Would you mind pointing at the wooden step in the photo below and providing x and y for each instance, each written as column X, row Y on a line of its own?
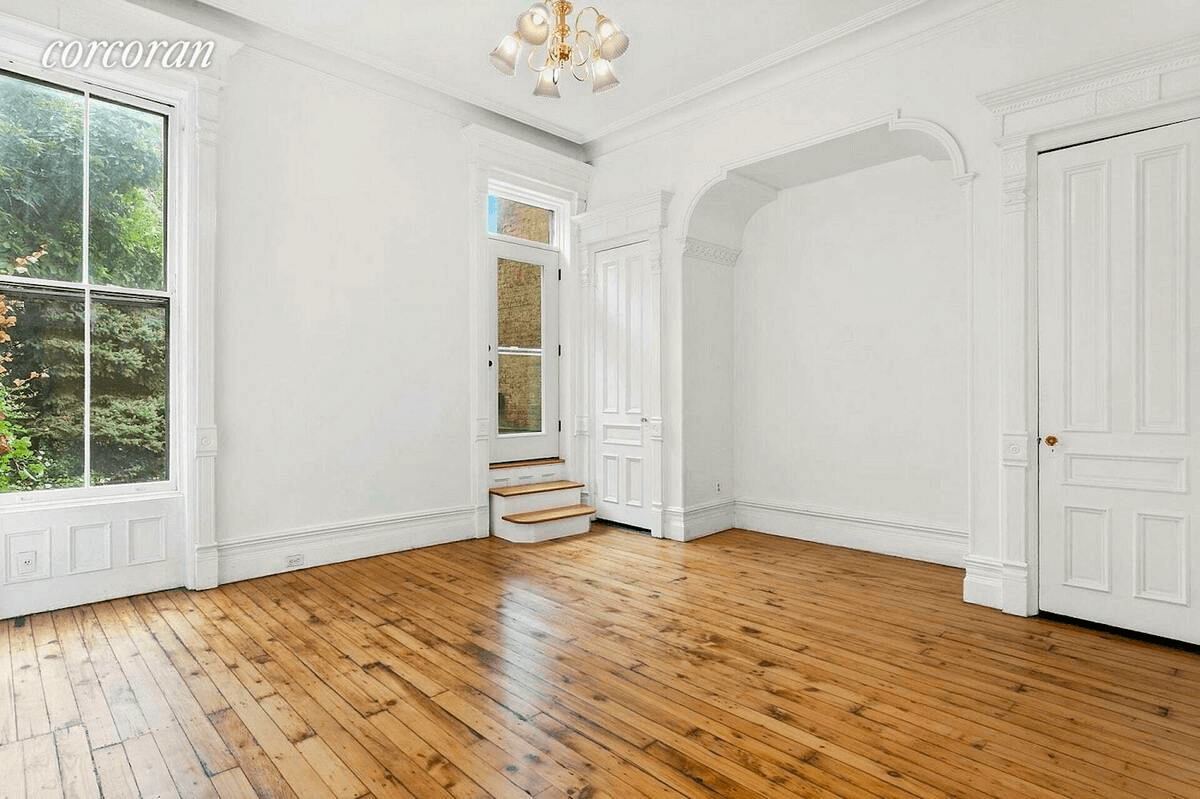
column 520, row 464
column 550, row 514
column 533, row 488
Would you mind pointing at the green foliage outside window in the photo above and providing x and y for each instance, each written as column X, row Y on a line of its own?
column 42, row 327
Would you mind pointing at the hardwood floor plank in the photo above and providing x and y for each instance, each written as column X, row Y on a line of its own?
column 75, row 765
column 29, row 699
column 61, row 707
column 149, row 768
column 233, row 784
column 12, row 766
column 114, row 773
column 41, row 766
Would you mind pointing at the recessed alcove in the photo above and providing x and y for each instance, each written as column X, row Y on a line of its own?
column 826, row 325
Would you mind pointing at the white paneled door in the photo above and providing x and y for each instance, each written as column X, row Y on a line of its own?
column 1119, row 341
column 623, row 325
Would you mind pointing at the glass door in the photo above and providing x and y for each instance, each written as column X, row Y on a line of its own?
column 524, row 352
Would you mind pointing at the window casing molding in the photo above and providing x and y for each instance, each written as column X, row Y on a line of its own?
column 190, row 102
column 525, row 172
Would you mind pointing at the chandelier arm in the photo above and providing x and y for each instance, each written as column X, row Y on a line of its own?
column 586, row 52
column 575, row 74
column 583, row 11
column 529, row 61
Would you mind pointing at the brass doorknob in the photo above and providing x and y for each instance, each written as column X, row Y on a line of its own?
column 1051, row 441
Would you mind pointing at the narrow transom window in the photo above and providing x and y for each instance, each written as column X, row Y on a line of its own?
column 519, row 220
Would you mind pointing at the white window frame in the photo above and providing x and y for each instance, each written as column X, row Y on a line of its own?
column 171, row 277
column 559, row 233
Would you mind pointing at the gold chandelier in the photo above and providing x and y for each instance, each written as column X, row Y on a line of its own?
column 587, row 53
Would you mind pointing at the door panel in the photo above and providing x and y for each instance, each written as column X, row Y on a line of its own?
column 1118, row 367
column 623, row 317
column 524, row 352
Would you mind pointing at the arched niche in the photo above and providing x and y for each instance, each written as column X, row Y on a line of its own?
column 719, row 212
column 704, row 360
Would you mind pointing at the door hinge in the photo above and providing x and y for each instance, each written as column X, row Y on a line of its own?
column 560, row 350
column 560, row 425
column 560, row 274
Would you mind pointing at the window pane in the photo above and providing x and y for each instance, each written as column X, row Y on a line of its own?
column 41, row 391
column 520, row 401
column 519, row 304
column 41, row 180
column 511, row 218
column 125, row 193
column 129, row 391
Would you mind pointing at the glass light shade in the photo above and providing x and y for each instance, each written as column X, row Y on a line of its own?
column 547, row 84
column 614, row 46
column 504, row 57
column 534, row 24
column 603, row 78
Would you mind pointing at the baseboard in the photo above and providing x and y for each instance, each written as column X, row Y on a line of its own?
column 706, row 519
column 984, row 582
column 334, row 543
column 873, row 534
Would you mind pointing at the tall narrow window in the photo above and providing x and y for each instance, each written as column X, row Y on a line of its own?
column 84, row 294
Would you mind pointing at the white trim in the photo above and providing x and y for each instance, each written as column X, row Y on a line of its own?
column 827, row 61
column 1153, row 86
column 321, row 544
column 901, row 538
column 699, row 521
column 983, row 583
column 710, row 252
column 630, row 221
column 496, row 159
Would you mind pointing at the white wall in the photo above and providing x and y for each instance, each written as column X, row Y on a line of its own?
column 342, row 303
column 708, row 411
column 935, row 75
column 849, row 373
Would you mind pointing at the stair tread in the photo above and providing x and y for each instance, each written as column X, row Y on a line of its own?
column 523, row 464
column 534, row 488
column 550, row 514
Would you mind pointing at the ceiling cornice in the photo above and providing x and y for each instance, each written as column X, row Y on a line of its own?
column 385, row 79
column 903, row 29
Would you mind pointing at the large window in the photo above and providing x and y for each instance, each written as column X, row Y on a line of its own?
column 84, row 293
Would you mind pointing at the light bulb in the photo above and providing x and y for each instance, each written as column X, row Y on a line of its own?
column 603, row 78
column 504, row 57
column 547, row 84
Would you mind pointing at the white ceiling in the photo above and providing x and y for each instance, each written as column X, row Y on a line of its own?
column 679, row 49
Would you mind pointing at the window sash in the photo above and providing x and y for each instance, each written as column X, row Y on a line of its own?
column 86, row 290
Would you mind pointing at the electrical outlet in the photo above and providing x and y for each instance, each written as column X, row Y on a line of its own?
column 718, row 488
column 26, row 562
column 294, row 561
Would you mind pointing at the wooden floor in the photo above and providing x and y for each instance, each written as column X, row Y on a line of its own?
column 607, row 665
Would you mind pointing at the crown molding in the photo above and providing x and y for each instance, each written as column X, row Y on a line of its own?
column 371, row 74
column 493, row 150
column 1125, row 68
column 901, row 31
column 867, row 20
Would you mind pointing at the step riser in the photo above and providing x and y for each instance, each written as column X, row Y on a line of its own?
column 506, row 506
column 542, row 531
